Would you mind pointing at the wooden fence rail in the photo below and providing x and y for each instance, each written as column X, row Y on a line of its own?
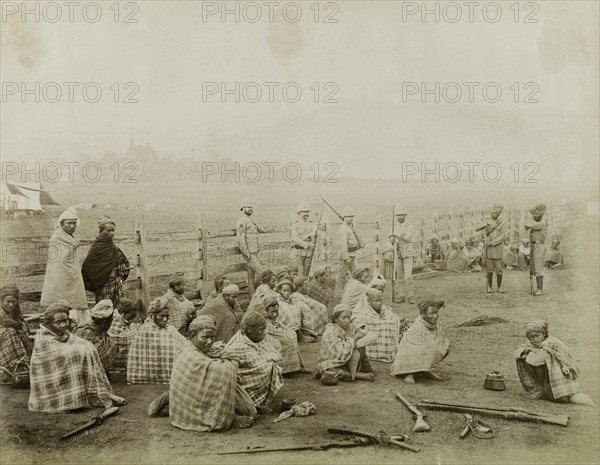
column 202, row 254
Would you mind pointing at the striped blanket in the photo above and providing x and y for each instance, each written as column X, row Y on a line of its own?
column 67, row 375
column 286, row 341
column 296, row 315
column 259, row 372
column 386, row 325
column 336, row 348
column 152, row 353
column 123, row 333
column 106, row 347
column 319, row 311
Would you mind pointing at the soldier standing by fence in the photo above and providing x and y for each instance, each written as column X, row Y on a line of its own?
column 538, row 244
column 303, row 236
column 401, row 238
column 348, row 245
column 247, row 238
column 495, row 235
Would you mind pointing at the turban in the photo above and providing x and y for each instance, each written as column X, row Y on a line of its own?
column 319, row 272
column 202, row 322
column 299, row 281
column 157, row 305
column 176, row 279
column 9, row 289
column 266, row 275
column 105, row 220
column 454, row 240
column 538, row 210
column 338, row 309
column 69, row 214
column 126, row 306
column 284, row 281
column 251, row 319
column 424, row 305
column 102, row 309
column 360, row 271
column 269, row 300
column 62, row 306
column 231, row 289
column 538, row 326
column 378, row 280
column 372, row 292
column 497, row 208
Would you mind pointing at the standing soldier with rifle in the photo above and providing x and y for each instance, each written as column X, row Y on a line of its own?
column 349, row 243
column 401, row 238
column 495, row 235
column 537, row 230
column 246, row 231
column 303, row 236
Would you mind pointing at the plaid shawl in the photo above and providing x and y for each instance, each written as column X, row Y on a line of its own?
column 296, row 315
column 336, row 348
column 103, row 258
column 286, row 341
column 558, row 357
column 181, row 310
column 15, row 350
column 319, row 311
column 260, row 292
column 258, row 372
column 386, row 325
column 421, row 348
column 202, row 394
column 152, row 353
column 106, row 347
column 66, row 375
column 123, row 333
column 319, row 292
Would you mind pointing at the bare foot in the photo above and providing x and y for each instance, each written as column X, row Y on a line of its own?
column 242, row 422
column 409, row 379
column 305, row 370
column 365, row 376
column 430, row 375
column 581, row 398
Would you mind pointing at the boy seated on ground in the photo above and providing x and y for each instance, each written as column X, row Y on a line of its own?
column 547, row 368
column 295, row 315
column 342, row 354
column 555, row 256
column 423, row 344
column 96, row 332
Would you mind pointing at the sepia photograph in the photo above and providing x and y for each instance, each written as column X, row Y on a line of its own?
column 300, row 232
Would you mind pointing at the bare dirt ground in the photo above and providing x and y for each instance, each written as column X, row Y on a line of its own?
column 570, row 305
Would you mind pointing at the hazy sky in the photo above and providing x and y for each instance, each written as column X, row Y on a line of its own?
column 369, row 54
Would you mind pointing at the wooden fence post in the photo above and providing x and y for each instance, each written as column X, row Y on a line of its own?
column 143, row 289
column 202, row 269
column 378, row 253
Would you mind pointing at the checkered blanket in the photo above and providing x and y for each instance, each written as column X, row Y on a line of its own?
column 286, row 341
column 296, row 315
column 123, row 333
column 152, row 353
column 336, row 348
column 15, row 349
column 112, row 289
column 421, row 348
column 386, row 325
column 558, row 357
column 319, row 311
column 202, row 394
column 67, row 375
column 260, row 292
column 259, row 372
column 319, row 292
column 106, row 347
column 181, row 310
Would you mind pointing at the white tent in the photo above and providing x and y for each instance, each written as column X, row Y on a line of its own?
column 24, row 196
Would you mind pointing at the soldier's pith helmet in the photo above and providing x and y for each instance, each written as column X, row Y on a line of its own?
column 400, row 210
column 246, row 202
column 348, row 211
column 303, row 207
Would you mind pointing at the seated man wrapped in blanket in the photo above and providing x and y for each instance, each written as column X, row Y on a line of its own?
column 423, row 344
column 153, row 351
column 319, row 311
column 259, row 372
column 355, row 288
column 15, row 346
column 66, row 372
column 317, row 287
column 380, row 320
column 342, row 354
column 123, row 331
column 547, row 368
column 204, row 394
column 96, row 332
column 294, row 314
column 268, row 280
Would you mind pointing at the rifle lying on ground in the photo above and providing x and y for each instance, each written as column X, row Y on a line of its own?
column 93, row 422
column 380, row 438
column 420, row 424
column 354, row 442
column 508, row 413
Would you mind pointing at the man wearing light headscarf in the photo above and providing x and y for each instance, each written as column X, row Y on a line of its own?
column 495, row 235
column 97, row 332
column 537, row 228
column 63, row 279
column 105, row 268
column 181, row 310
